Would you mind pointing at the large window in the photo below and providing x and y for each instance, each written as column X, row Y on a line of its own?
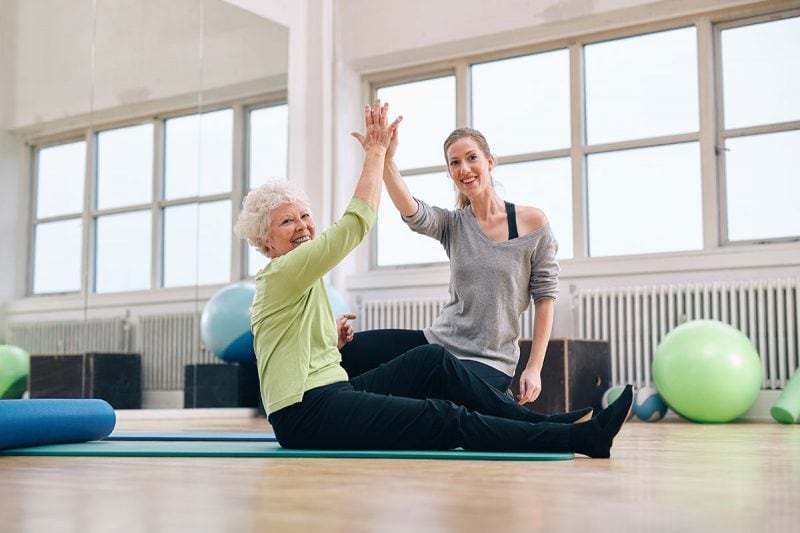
column 58, row 218
column 161, row 200
column 760, row 131
column 429, row 109
column 612, row 139
column 642, row 90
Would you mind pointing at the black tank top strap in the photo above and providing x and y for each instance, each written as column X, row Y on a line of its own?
column 511, row 214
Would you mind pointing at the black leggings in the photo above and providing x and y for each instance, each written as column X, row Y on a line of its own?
column 370, row 349
column 424, row 399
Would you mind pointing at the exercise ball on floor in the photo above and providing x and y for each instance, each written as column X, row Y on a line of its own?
column 648, row 405
column 225, row 324
column 14, row 368
column 707, row 371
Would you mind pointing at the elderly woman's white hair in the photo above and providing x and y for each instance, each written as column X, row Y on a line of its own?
column 254, row 220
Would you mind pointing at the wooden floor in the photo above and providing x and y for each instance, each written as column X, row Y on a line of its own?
column 669, row 476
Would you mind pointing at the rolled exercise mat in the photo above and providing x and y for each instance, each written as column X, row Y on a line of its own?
column 786, row 408
column 162, row 448
column 25, row 423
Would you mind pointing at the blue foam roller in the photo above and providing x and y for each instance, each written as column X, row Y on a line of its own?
column 25, row 423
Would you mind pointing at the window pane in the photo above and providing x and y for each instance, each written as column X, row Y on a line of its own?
column 544, row 184
column 429, row 115
column 255, row 261
column 57, row 256
column 763, row 186
column 123, row 252
column 645, row 200
column 397, row 244
column 61, row 173
column 125, row 166
column 642, row 86
column 197, row 244
column 521, row 105
column 198, row 155
column 268, row 148
column 761, row 73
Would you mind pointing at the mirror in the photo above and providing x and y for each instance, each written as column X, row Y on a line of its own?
column 181, row 105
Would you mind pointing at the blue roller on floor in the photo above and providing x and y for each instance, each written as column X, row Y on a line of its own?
column 25, row 423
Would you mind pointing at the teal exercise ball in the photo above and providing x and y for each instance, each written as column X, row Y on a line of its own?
column 15, row 365
column 339, row 305
column 225, row 324
column 707, row 371
column 648, row 405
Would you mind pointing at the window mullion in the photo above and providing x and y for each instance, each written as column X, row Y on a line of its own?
column 577, row 151
column 463, row 96
column 238, row 249
column 157, row 233
column 712, row 202
column 89, row 195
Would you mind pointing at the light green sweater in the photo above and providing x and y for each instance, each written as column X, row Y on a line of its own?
column 291, row 318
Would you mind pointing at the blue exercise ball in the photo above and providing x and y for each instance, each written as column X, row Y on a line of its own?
column 648, row 405
column 225, row 324
column 338, row 303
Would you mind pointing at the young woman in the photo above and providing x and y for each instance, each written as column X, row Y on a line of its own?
column 502, row 256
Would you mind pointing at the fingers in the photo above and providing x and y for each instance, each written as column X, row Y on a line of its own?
column 395, row 123
column 347, row 316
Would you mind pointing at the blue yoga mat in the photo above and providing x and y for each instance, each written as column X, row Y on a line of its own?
column 237, row 436
column 36, row 422
column 261, row 449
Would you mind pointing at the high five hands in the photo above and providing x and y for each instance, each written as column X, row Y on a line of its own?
column 379, row 133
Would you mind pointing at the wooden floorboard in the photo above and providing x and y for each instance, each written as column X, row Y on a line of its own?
column 670, row 476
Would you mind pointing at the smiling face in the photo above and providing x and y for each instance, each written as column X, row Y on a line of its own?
column 290, row 225
column 469, row 167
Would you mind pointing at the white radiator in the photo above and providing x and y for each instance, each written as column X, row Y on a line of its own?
column 635, row 319
column 412, row 313
column 167, row 344
column 71, row 336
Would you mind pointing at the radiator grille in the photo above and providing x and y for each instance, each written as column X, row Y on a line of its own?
column 635, row 319
column 411, row 313
column 71, row 336
column 168, row 343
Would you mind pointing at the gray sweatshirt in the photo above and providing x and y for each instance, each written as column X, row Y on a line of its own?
column 491, row 284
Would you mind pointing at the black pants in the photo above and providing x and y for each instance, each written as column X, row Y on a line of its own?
column 424, row 399
column 370, row 349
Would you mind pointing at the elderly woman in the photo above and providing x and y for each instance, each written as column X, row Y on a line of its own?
column 424, row 399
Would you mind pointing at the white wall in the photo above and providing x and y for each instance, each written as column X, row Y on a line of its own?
column 70, row 63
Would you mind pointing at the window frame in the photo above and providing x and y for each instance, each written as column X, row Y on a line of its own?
column 723, row 134
column 88, row 132
column 715, row 252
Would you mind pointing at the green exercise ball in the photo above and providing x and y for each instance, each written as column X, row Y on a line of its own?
column 707, row 371
column 14, row 367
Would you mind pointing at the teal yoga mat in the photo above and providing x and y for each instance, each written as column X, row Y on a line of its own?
column 260, row 449
column 235, row 436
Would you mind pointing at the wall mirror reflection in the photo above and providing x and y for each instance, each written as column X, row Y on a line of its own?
column 145, row 123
